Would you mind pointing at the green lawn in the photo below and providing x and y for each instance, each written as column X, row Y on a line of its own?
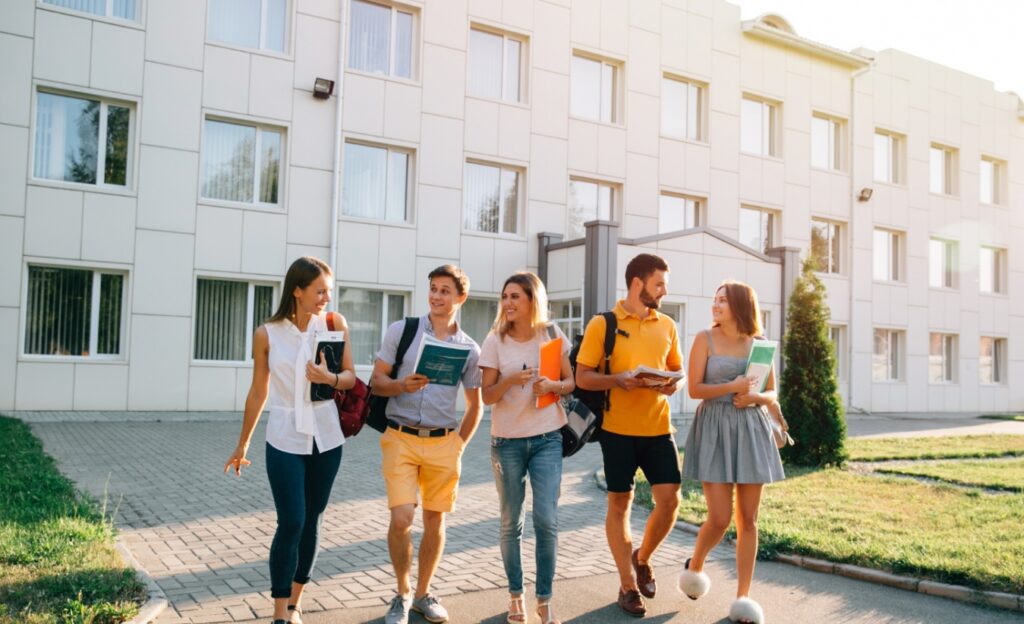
column 994, row 474
column 1017, row 417
column 979, row 446
column 57, row 556
column 928, row 530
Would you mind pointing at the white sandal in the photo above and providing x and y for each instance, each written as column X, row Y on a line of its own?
column 746, row 611
column 693, row 584
column 516, row 610
column 546, row 604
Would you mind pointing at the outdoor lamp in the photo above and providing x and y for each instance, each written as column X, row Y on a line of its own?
column 865, row 194
column 323, row 88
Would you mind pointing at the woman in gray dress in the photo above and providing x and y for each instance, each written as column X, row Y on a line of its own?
column 730, row 445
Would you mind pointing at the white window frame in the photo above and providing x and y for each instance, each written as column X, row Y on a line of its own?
column 101, row 140
column 414, row 45
column 836, row 232
column 262, row 35
column 766, row 323
column 769, row 125
column 774, row 226
column 699, row 99
column 893, row 153
column 945, row 360
column 250, row 326
column 836, row 148
column 385, row 293
column 108, row 12
column 837, row 335
column 98, row 270
column 999, row 361
column 894, row 257
column 506, row 36
column 575, row 319
column 948, row 263
column 943, row 160
column 615, row 199
column 520, row 199
column 410, row 177
column 698, row 208
column 1000, row 267
column 998, row 178
column 283, row 164
column 617, row 68
column 895, row 355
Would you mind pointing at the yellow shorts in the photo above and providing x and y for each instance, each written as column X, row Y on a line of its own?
column 430, row 466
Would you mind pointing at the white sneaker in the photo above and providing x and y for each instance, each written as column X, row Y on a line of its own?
column 430, row 608
column 398, row 610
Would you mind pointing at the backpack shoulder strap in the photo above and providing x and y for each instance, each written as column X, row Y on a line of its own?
column 412, row 323
column 610, row 325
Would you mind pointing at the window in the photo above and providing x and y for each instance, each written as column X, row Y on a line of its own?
column 758, row 122
column 492, row 199
column 494, row 65
column 886, row 364
column 123, row 9
column 595, row 87
column 568, row 315
column 381, row 39
column 258, row 24
column 888, row 256
column 241, row 162
column 941, row 170
column 837, row 334
column 368, row 314
column 942, row 263
column 992, row 270
column 757, row 228
column 588, row 201
column 76, row 312
column 82, row 140
column 992, row 360
column 227, row 314
column 376, row 183
column 941, row 358
column 682, row 108
column 990, row 183
column 888, row 158
column 477, row 316
column 825, row 245
column 678, row 212
column 766, row 323
column 826, row 141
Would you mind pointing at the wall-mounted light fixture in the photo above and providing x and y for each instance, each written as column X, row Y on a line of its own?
column 323, row 88
column 865, row 194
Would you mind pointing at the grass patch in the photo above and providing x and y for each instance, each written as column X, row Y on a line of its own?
column 976, row 447
column 1016, row 417
column 931, row 531
column 57, row 556
column 994, row 474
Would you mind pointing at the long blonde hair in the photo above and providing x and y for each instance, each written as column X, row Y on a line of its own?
column 538, row 296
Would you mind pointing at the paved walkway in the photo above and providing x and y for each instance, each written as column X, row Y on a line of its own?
column 203, row 536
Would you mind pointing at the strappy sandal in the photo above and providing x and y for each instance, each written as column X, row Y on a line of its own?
column 296, row 611
column 551, row 619
column 516, row 610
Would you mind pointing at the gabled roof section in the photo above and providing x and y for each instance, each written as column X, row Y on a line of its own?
column 774, row 27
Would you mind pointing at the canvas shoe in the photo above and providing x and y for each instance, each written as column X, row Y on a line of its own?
column 430, row 608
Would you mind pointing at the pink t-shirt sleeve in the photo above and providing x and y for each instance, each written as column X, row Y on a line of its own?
column 489, row 352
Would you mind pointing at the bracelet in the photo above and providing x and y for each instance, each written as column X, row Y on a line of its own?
column 337, row 380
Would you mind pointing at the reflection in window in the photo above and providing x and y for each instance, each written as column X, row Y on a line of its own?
column 68, row 136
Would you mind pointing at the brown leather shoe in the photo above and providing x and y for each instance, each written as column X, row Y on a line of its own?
column 631, row 602
column 644, row 576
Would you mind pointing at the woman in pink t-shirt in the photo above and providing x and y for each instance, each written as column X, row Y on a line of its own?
column 525, row 440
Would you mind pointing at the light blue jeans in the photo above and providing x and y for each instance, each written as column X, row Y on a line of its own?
column 513, row 459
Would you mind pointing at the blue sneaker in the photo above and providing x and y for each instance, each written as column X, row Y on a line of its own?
column 430, row 608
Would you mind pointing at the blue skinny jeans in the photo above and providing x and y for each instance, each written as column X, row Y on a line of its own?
column 513, row 459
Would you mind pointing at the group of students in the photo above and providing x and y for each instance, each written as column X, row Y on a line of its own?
column 729, row 448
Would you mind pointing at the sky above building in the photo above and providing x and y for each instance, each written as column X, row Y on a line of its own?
column 980, row 37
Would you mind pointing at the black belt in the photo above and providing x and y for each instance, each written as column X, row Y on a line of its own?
column 422, row 433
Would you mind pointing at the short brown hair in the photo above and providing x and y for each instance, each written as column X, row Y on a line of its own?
column 744, row 307
column 642, row 266
column 458, row 276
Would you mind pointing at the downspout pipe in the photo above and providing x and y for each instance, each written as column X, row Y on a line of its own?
column 339, row 90
column 850, row 247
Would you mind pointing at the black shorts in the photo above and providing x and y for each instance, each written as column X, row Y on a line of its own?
column 623, row 454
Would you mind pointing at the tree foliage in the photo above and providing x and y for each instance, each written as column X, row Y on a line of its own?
column 808, row 389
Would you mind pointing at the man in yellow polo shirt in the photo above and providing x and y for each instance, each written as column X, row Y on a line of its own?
column 636, row 432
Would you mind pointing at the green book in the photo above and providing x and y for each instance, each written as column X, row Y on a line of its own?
column 760, row 360
column 441, row 361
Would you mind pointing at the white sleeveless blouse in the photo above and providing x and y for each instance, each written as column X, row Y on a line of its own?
column 295, row 421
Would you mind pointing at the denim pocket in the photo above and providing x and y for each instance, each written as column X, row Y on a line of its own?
column 498, row 442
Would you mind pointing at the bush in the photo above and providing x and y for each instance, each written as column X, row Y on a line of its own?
column 808, row 391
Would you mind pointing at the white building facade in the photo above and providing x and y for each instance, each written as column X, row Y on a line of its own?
column 162, row 163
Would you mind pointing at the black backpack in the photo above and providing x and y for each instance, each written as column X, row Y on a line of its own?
column 376, row 404
column 597, row 401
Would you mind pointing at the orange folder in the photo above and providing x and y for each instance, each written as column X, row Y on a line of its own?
column 551, row 367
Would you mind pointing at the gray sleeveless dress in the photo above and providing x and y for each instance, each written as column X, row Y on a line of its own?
column 727, row 444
